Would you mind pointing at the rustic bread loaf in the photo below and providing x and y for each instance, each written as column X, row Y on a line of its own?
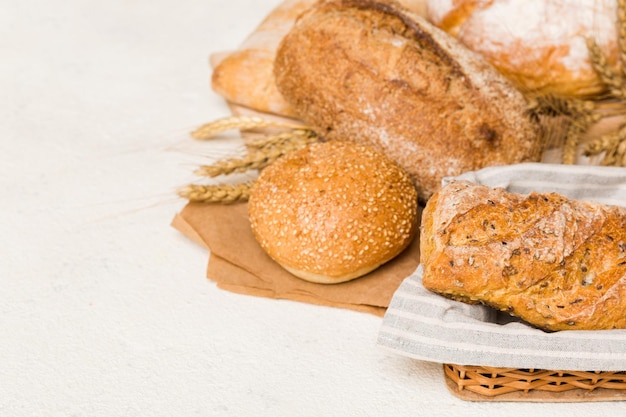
column 333, row 211
column 539, row 44
column 557, row 263
column 372, row 72
column 245, row 76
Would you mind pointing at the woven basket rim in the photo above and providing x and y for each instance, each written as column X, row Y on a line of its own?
column 492, row 382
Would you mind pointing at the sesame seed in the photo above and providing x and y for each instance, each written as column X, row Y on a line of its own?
column 336, row 193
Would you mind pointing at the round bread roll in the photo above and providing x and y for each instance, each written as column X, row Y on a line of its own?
column 333, row 211
column 540, row 45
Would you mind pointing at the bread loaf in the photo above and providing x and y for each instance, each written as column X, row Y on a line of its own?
column 557, row 263
column 539, row 44
column 245, row 76
column 333, row 211
column 373, row 72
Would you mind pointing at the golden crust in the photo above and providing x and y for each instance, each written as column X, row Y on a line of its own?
column 557, row 263
column 333, row 211
column 538, row 44
column 374, row 73
column 245, row 75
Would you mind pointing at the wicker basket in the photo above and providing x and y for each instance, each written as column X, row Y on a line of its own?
column 480, row 383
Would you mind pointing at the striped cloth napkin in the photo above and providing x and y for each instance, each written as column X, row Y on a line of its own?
column 422, row 325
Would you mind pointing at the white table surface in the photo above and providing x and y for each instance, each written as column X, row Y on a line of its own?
column 104, row 308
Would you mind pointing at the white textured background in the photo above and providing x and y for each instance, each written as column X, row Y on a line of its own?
column 104, row 308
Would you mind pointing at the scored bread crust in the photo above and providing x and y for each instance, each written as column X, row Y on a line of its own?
column 373, row 72
column 557, row 263
column 333, row 211
column 245, row 76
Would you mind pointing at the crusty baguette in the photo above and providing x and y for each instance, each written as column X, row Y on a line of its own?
column 373, row 72
column 557, row 263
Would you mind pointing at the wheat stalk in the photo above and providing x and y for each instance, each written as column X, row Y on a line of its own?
column 305, row 136
column 220, row 193
column 621, row 34
column 621, row 151
column 551, row 105
column 266, row 151
column 210, row 130
column 601, row 144
column 613, row 145
column 573, row 135
column 263, row 152
column 572, row 138
column 607, row 75
column 254, row 160
column 569, row 116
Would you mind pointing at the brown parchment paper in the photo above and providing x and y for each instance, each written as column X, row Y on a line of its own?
column 237, row 263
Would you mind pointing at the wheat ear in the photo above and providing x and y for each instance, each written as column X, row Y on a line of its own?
column 616, row 154
column 220, row 193
column 551, row 105
column 600, row 64
column 256, row 159
column 304, row 136
column 210, row 130
column 621, row 32
column 613, row 145
column 573, row 135
column 572, row 139
column 601, row 144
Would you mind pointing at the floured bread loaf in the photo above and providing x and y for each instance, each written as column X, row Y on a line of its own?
column 245, row 76
column 557, row 263
column 333, row 211
column 375, row 73
column 539, row 44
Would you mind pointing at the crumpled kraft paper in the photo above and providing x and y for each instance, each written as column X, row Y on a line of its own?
column 237, row 263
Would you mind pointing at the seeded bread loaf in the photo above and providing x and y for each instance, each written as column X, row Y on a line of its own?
column 557, row 263
column 373, row 72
